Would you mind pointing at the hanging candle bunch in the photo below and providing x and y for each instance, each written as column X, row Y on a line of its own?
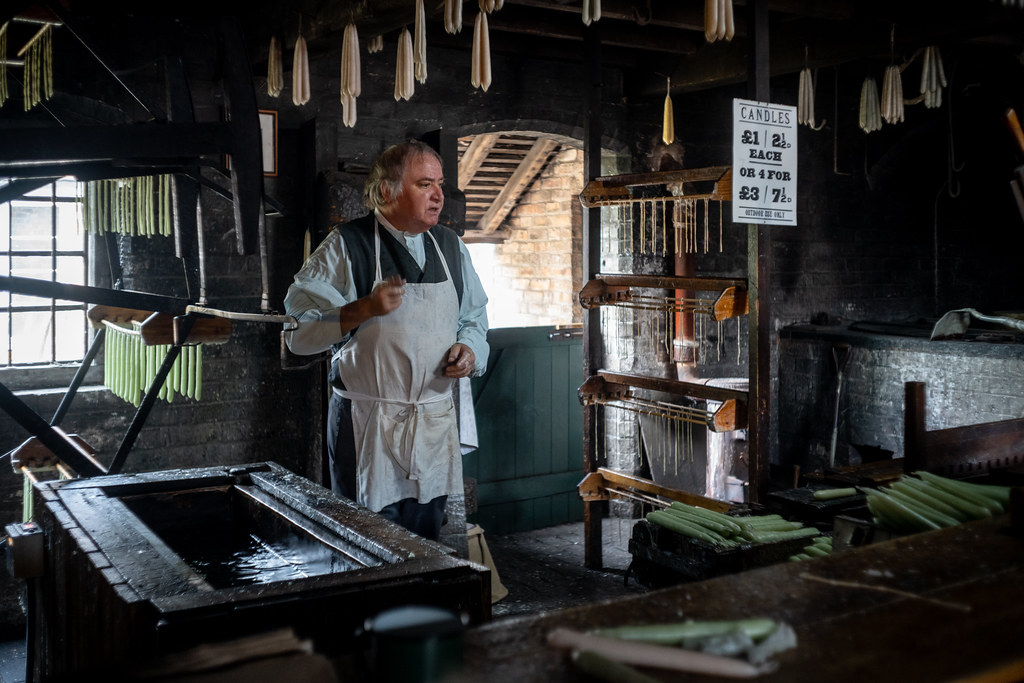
column 376, row 44
column 933, row 78
column 870, row 118
column 892, row 95
column 452, row 16
column 275, row 68
column 668, row 127
column 805, row 100
column 419, row 47
column 139, row 206
column 480, row 72
column 404, row 69
column 3, row 64
column 38, row 81
column 719, row 23
column 351, row 79
column 591, row 11
column 130, row 366
column 300, row 71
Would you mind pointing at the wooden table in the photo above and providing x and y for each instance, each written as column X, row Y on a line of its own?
column 960, row 614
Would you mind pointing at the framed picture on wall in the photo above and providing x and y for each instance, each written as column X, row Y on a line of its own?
column 268, row 136
column 268, row 142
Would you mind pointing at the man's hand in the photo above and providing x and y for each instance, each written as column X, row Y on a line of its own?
column 387, row 296
column 459, row 362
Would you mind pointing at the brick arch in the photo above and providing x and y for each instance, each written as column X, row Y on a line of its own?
column 564, row 133
column 533, row 264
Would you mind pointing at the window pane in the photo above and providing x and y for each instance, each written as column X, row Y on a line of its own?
column 68, row 187
column 5, row 226
column 46, row 191
column 71, row 270
column 69, row 233
column 30, row 227
column 36, row 267
column 70, row 335
column 5, row 325
column 30, row 338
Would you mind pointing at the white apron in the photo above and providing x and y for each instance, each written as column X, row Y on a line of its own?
column 403, row 413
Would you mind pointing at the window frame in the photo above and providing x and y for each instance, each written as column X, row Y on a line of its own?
column 49, row 197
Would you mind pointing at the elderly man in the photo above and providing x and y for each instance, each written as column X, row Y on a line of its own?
column 397, row 299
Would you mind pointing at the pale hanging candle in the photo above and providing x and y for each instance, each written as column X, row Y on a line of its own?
column 805, row 101
column 480, row 75
column 351, row 79
column 668, row 128
column 300, row 72
column 452, row 16
column 892, row 95
column 404, row 80
column 275, row 68
column 420, row 44
column 591, row 11
column 719, row 21
column 933, row 78
column 870, row 115
column 376, row 44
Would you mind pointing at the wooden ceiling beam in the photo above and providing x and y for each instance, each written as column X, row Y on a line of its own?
column 517, row 184
column 474, row 157
column 550, row 25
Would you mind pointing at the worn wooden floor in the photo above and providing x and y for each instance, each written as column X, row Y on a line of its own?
column 544, row 569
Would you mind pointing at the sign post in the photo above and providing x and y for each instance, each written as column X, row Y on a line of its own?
column 764, row 161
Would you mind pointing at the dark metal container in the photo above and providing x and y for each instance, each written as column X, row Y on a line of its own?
column 144, row 565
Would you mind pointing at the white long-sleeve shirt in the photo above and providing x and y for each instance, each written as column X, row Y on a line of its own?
column 325, row 283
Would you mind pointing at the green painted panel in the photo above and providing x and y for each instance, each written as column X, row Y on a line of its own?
column 529, row 423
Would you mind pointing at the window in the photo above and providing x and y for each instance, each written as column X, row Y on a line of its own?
column 41, row 238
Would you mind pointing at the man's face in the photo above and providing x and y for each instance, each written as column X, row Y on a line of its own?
column 417, row 209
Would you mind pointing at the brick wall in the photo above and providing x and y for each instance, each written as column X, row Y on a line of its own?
column 538, row 262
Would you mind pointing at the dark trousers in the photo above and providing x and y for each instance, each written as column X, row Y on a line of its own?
column 424, row 519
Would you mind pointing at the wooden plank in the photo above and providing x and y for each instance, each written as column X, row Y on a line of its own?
column 673, row 386
column 474, row 157
column 847, row 630
column 700, row 284
column 732, row 303
column 615, row 479
column 913, row 425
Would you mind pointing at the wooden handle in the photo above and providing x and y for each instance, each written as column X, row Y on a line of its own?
column 1013, row 123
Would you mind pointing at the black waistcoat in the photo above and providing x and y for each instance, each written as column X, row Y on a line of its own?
column 395, row 259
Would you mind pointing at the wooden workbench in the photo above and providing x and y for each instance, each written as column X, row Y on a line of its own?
column 967, row 618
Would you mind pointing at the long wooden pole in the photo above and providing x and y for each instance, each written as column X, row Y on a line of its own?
column 592, row 354
column 758, row 287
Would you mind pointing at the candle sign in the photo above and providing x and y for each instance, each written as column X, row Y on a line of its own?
column 763, row 163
